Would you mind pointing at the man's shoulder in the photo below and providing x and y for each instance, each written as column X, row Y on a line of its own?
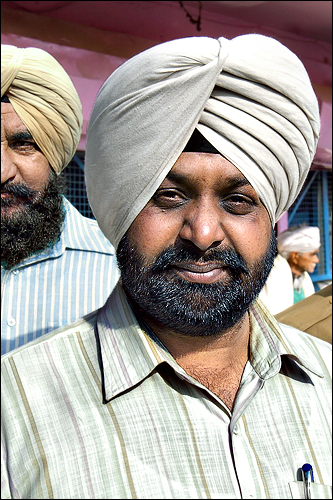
column 83, row 326
column 307, row 347
column 281, row 263
column 82, row 233
column 74, row 216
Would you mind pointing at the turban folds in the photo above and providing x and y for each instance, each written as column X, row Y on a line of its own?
column 250, row 97
column 45, row 99
column 300, row 239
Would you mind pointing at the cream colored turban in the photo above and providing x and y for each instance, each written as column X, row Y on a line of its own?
column 299, row 239
column 250, row 97
column 45, row 99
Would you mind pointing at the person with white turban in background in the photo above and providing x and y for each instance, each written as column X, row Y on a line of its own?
column 289, row 280
column 56, row 265
column 182, row 385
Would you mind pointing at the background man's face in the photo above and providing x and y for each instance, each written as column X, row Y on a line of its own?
column 203, row 243
column 31, row 203
column 306, row 261
column 22, row 162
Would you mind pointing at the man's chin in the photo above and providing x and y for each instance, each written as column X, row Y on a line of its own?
column 191, row 309
column 12, row 209
column 171, row 293
column 27, row 226
column 12, row 203
column 14, row 212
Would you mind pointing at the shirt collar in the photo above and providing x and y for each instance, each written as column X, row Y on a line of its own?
column 129, row 354
column 269, row 342
column 78, row 230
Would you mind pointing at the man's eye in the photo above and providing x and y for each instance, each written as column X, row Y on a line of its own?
column 237, row 204
column 25, row 146
column 168, row 198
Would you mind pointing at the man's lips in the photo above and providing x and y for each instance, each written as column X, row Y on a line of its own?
column 5, row 195
column 9, row 199
column 207, row 272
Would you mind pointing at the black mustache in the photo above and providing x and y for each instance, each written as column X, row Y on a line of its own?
column 18, row 189
column 171, row 256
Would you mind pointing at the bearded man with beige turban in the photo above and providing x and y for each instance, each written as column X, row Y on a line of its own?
column 182, row 385
column 56, row 265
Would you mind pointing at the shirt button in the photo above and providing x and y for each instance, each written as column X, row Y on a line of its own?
column 236, row 429
column 11, row 322
column 16, row 271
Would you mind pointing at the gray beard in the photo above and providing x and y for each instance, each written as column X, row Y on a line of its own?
column 193, row 309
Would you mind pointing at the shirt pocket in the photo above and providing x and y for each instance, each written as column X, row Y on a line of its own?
column 318, row 491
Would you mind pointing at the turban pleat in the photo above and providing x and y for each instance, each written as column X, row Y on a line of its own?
column 45, row 99
column 269, row 140
column 250, row 97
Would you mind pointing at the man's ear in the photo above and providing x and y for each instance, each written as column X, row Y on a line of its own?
column 293, row 258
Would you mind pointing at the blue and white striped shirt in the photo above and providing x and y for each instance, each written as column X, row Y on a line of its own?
column 59, row 285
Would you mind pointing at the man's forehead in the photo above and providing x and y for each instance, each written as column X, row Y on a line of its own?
column 199, row 149
column 7, row 108
column 10, row 119
column 192, row 165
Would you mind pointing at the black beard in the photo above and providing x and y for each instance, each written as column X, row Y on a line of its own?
column 193, row 309
column 36, row 223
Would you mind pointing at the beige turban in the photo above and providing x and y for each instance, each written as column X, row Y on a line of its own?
column 250, row 97
column 45, row 99
column 301, row 239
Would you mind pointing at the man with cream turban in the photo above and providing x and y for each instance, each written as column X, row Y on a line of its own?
column 182, row 385
column 43, row 237
column 289, row 280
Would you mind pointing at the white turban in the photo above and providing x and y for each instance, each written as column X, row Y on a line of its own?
column 250, row 97
column 45, row 99
column 300, row 239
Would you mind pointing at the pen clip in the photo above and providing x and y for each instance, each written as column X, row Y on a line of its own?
column 307, row 476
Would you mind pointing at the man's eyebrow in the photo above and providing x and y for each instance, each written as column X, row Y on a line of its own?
column 232, row 182
column 173, row 176
column 24, row 135
column 235, row 182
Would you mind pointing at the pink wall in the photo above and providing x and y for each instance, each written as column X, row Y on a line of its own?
column 91, row 39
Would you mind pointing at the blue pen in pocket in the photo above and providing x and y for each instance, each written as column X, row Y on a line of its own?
column 307, row 476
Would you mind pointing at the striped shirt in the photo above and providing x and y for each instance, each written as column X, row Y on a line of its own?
column 100, row 409
column 59, row 285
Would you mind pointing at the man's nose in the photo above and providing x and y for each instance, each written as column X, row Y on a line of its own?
column 203, row 225
column 8, row 166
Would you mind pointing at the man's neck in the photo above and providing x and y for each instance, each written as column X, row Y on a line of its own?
column 187, row 346
column 295, row 269
column 216, row 362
